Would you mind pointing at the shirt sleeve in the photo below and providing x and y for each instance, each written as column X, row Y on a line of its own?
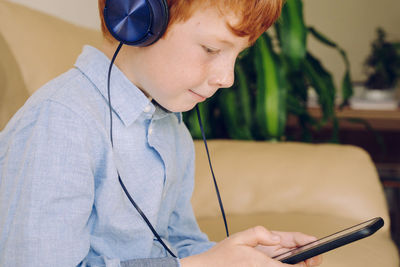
column 184, row 232
column 164, row 262
column 46, row 189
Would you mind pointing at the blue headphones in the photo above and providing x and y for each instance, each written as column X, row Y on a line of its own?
column 136, row 22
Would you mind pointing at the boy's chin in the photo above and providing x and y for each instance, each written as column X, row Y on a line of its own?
column 178, row 108
column 187, row 108
column 182, row 109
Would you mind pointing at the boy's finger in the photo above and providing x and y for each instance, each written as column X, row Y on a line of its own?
column 294, row 239
column 300, row 264
column 256, row 236
column 315, row 261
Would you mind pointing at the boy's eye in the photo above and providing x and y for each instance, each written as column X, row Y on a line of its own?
column 210, row 50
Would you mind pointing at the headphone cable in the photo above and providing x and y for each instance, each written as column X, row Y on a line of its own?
column 119, row 177
column 221, row 206
column 123, row 185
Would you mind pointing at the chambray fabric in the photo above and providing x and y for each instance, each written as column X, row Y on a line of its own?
column 162, row 262
column 60, row 200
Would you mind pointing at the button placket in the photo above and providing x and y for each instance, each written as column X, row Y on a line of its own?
column 150, row 128
column 147, row 109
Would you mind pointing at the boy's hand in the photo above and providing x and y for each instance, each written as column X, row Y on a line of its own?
column 240, row 250
column 290, row 240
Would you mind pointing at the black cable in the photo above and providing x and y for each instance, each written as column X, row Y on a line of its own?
column 123, row 185
column 212, row 171
column 109, row 91
column 144, row 217
column 119, row 177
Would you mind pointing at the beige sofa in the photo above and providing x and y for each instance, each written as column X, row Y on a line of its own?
column 316, row 189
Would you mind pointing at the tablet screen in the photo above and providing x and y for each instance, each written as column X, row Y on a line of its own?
column 324, row 240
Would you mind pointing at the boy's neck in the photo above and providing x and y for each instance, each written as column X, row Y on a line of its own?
column 126, row 54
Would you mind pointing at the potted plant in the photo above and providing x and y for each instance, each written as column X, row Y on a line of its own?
column 272, row 82
column 382, row 68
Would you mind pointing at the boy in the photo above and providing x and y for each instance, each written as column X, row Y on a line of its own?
column 60, row 200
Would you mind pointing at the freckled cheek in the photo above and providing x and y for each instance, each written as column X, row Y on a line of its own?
column 190, row 75
column 199, row 71
column 181, row 72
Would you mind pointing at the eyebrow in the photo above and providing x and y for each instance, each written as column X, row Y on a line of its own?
column 224, row 41
column 229, row 43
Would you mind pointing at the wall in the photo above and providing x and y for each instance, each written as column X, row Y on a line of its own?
column 351, row 24
column 81, row 12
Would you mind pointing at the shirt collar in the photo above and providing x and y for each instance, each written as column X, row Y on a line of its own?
column 127, row 100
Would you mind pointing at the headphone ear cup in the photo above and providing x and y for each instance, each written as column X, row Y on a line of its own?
column 160, row 20
column 136, row 22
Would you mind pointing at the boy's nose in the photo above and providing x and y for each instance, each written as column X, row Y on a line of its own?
column 224, row 77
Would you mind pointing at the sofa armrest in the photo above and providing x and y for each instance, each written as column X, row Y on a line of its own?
column 260, row 177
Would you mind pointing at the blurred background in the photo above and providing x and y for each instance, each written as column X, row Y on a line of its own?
column 352, row 24
column 327, row 72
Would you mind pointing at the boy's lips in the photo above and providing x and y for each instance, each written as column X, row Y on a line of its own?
column 201, row 98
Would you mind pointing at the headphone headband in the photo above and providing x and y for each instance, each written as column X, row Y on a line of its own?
column 136, row 22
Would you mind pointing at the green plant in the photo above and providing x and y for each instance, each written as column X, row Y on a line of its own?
column 383, row 64
column 272, row 81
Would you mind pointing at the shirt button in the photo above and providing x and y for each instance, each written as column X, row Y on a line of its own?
column 147, row 109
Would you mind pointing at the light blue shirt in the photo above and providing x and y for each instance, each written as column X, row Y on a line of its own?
column 60, row 200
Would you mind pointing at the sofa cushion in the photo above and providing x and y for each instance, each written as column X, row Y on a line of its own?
column 373, row 251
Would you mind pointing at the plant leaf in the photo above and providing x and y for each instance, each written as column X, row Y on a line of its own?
column 292, row 33
column 191, row 120
column 235, row 107
column 322, row 82
column 270, row 105
column 347, row 87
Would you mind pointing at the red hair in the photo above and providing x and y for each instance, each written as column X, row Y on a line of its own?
column 256, row 15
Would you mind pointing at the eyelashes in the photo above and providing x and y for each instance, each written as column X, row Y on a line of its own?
column 211, row 51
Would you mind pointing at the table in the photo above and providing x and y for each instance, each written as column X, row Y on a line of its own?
column 382, row 120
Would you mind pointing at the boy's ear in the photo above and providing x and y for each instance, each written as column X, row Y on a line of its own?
column 136, row 22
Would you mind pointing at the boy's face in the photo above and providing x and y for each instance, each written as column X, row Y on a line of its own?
column 189, row 64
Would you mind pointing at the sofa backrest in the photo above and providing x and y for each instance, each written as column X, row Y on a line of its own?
column 36, row 47
column 13, row 92
column 262, row 177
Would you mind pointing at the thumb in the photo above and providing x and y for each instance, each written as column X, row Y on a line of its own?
column 256, row 236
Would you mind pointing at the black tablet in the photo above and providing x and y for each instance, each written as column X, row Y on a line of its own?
column 330, row 242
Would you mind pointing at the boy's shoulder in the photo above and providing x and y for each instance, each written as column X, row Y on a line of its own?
column 69, row 90
column 73, row 89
